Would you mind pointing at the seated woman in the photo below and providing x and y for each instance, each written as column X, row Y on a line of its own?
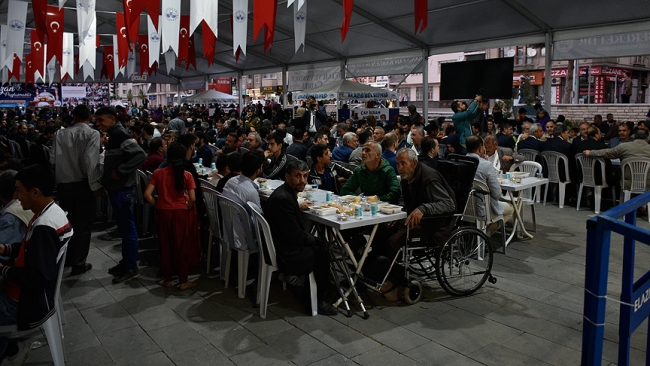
column 454, row 146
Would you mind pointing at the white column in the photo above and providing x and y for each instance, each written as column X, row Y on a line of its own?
column 425, row 84
column 285, row 88
column 576, row 81
column 547, row 80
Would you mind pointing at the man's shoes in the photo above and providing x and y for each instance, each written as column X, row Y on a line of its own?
column 118, row 270
column 325, row 308
column 20, row 357
column 127, row 276
column 77, row 270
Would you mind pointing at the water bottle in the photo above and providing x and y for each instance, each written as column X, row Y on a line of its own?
column 214, row 166
column 200, row 161
column 328, row 196
column 358, row 212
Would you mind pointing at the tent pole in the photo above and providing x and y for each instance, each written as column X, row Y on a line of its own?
column 240, row 76
column 425, row 84
column 339, row 104
column 547, row 79
column 285, row 88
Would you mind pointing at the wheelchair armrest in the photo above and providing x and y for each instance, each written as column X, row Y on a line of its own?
column 480, row 191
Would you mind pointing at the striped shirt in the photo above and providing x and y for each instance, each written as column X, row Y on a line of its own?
column 75, row 155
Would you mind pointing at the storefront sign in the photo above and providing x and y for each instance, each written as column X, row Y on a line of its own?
column 221, row 85
column 615, row 45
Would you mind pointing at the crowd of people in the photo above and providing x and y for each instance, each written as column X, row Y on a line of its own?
column 96, row 152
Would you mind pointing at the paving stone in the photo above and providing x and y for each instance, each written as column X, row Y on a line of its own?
column 263, row 355
column 433, row 353
column 206, row 355
column 78, row 337
column 156, row 359
column 383, row 356
column 231, row 338
column 91, row 356
column 177, row 338
column 542, row 349
column 157, row 317
column 336, row 359
column 391, row 335
column 107, row 318
column 498, row 355
column 127, row 344
column 299, row 347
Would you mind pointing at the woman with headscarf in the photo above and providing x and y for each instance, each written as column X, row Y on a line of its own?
column 454, row 146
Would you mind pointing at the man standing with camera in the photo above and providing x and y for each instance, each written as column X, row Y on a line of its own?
column 464, row 115
column 314, row 117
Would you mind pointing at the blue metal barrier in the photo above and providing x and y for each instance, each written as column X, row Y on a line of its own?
column 635, row 296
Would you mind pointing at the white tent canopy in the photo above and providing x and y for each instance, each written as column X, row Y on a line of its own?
column 347, row 90
column 386, row 28
column 211, row 96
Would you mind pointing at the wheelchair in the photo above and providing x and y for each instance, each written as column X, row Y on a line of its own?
column 463, row 263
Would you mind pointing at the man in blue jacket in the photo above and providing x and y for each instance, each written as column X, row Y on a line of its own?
column 463, row 117
column 122, row 158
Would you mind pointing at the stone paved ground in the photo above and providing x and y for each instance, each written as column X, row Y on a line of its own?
column 532, row 315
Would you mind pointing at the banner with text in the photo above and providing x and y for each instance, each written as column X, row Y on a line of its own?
column 385, row 66
column 614, row 45
column 70, row 91
column 313, row 78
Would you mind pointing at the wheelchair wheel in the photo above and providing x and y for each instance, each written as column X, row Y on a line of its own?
column 413, row 292
column 464, row 262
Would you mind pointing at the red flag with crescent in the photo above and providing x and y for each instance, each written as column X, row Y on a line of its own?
column 40, row 14
column 143, row 44
column 29, row 68
column 54, row 20
column 191, row 54
column 37, row 56
column 347, row 16
column 122, row 40
column 184, row 39
column 131, row 22
column 264, row 12
column 209, row 41
column 421, row 15
column 108, row 67
column 152, row 6
column 15, row 73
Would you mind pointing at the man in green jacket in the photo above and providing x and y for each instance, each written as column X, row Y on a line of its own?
column 374, row 177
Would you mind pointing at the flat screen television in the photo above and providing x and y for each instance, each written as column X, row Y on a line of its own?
column 462, row 80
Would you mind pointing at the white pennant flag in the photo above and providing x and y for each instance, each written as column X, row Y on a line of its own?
column 300, row 24
column 85, row 17
column 154, row 43
column 116, row 65
column 171, row 24
column 38, row 78
column 88, row 70
column 51, row 70
column 16, row 17
column 67, row 64
column 300, row 3
column 207, row 10
column 3, row 45
column 61, row 3
column 88, row 48
column 170, row 61
column 130, row 64
column 239, row 25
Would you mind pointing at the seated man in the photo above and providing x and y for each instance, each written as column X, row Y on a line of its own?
column 389, row 145
column 486, row 174
column 319, row 138
column 429, row 155
column 426, row 193
column 221, row 171
column 28, row 296
column 594, row 142
column 374, row 177
column 623, row 135
column 157, row 153
column 560, row 143
column 276, row 157
column 638, row 148
column 326, row 173
column 342, row 152
column 13, row 218
column 298, row 148
column 254, row 142
column 242, row 188
column 364, row 136
column 234, row 169
column 502, row 158
column 298, row 252
column 504, row 137
column 533, row 140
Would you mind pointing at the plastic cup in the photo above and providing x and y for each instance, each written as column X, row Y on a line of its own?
column 374, row 208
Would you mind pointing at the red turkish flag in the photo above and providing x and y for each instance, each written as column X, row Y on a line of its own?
column 108, row 68
column 191, row 54
column 40, row 15
column 347, row 15
column 16, row 69
column 143, row 41
column 37, row 53
column 55, row 25
column 184, row 39
column 122, row 39
column 421, row 15
column 264, row 12
column 152, row 6
column 132, row 22
column 208, row 43
column 29, row 69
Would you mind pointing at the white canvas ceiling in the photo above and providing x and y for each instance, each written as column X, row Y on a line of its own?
column 383, row 28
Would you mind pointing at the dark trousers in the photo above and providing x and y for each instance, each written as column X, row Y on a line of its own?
column 306, row 260
column 78, row 200
column 121, row 202
column 625, row 98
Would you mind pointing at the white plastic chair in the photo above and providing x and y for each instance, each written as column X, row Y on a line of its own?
column 552, row 159
column 52, row 327
column 267, row 269
column 635, row 182
column 210, row 196
column 487, row 218
column 588, row 166
column 205, row 184
column 235, row 215
column 529, row 154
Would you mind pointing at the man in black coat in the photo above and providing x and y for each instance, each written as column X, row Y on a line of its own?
column 314, row 117
column 560, row 143
column 594, row 142
column 298, row 252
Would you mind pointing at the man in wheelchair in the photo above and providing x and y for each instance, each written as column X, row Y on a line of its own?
column 426, row 193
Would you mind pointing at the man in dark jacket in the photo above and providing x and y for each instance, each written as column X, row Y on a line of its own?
column 327, row 174
column 298, row 252
column 560, row 143
column 28, row 296
column 123, row 158
column 314, row 117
